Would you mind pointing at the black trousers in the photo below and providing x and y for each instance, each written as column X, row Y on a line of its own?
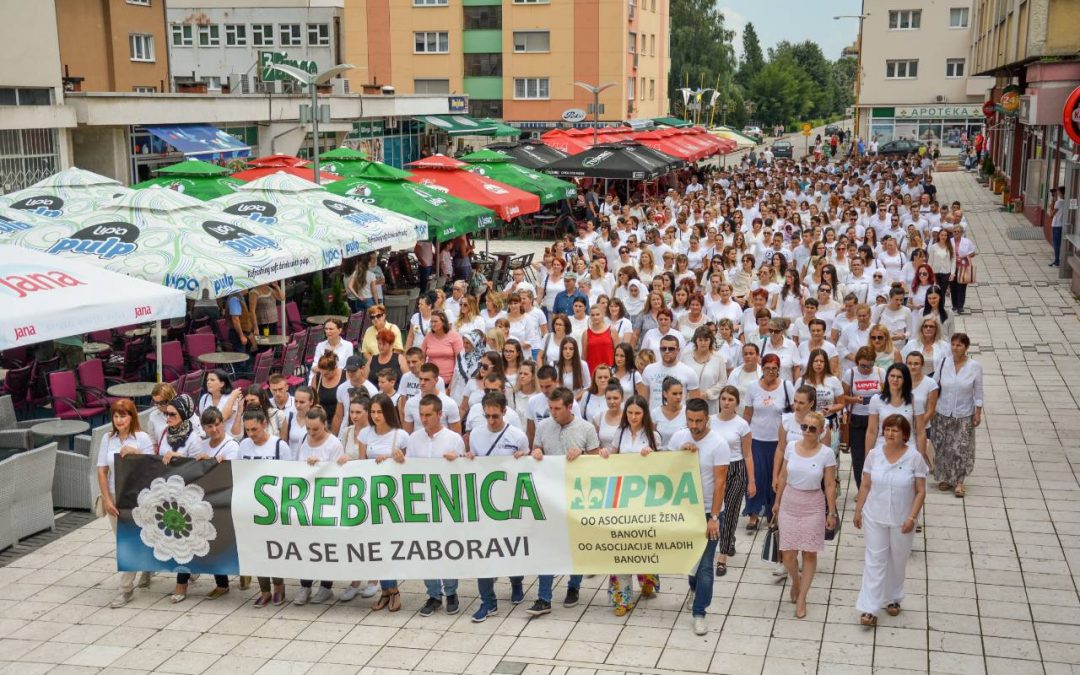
column 264, row 583
column 306, row 583
column 222, row 580
column 857, row 443
column 959, row 295
column 943, row 282
column 734, row 492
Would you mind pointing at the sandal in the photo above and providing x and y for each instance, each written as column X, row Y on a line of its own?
column 382, row 602
column 893, row 608
column 944, row 486
column 752, row 525
column 217, row 592
column 395, row 600
column 623, row 610
column 263, row 600
column 843, row 448
column 868, row 620
column 959, row 492
column 721, row 569
column 177, row 598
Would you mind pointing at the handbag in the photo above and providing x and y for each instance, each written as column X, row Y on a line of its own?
column 770, row 549
column 965, row 271
column 831, row 534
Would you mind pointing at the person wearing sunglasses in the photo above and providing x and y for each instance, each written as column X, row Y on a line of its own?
column 881, row 341
column 887, row 509
column 370, row 342
column 160, row 396
column 798, row 508
column 864, row 382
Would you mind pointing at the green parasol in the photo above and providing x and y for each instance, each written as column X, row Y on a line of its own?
column 382, row 185
column 501, row 129
column 342, row 161
column 200, row 180
column 497, row 166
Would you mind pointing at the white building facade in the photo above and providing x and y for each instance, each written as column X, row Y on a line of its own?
column 915, row 72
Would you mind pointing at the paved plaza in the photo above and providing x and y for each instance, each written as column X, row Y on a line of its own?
column 990, row 586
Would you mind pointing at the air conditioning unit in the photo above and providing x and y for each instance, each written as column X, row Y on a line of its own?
column 341, row 86
column 940, row 98
column 239, row 83
column 269, row 87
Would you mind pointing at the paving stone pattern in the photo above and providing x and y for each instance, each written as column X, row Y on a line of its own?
column 990, row 589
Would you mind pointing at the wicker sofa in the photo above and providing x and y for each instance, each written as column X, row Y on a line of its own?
column 26, row 503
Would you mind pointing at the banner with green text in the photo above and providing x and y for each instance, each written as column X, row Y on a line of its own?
column 423, row 518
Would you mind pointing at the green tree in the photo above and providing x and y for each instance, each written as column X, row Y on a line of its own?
column 752, row 59
column 807, row 55
column 842, row 82
column 701, row 49
column 781, row 92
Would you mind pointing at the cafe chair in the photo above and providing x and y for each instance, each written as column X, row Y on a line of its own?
column 198, row 344
column 289, row 365
column 66, row 396
column 260, row 371
column 17, row 386
column 39, row 382
column 93, row 381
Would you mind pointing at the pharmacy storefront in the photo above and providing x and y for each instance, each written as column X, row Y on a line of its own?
column 944, row 124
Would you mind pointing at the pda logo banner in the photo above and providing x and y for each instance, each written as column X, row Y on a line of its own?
column 107, row 241
column 237, row 238
column 263, row 213
column 43, row 205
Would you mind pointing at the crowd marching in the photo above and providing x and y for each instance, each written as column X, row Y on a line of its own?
column 768, row 317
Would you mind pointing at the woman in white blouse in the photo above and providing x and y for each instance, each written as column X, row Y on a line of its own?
column 350, row 435
column 887, row 509
column 124, row 439
column 959, row 411
column 708, row 364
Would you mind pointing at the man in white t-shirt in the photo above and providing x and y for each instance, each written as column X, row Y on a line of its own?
column 431, row 440
column 449, row 410
column 713, row 458
column 356, row 381
column 474, row 418
column 669, row 365
column 895, row 317
column 1057, row 223
column 538, row 409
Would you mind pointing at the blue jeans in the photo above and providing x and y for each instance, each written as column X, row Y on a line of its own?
column 701, row 581
column 546, row 581
column 761, row 504
column 425, row 274
column 1056, row 232
column 436, row 587
column 486, row 588
column 388, row 584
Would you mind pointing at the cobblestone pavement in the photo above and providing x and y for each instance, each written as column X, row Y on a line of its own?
column 990, row 587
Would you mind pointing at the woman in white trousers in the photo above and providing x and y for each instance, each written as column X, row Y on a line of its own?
column 890, row 498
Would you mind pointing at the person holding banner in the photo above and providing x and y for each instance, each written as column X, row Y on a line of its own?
column 259, row 443
column 450, row 411
column 713, row 452
column 799, row 498
column 636, row 433
column 496, row 438
column 125, row 438
column 735, row 431
column 433, row 439
column 561, row 433
column 319, row 445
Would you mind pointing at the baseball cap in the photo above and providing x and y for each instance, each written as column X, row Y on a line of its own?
column 355, row 363
column 570, row 276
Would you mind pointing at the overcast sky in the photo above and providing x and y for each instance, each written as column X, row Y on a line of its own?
column 794, row 21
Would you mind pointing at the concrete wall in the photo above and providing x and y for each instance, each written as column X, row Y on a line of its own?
column 29, row 46
column 102, row 150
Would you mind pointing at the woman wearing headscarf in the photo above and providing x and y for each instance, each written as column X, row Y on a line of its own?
column 466, row 363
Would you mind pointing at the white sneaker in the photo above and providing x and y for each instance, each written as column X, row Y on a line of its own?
column 144, row 579
column 699, row 625
column 780, row 571
column 370, row 591
column 322, row 595
column 348, row 594
column 689, row 601
column 302, row 596
column 121, row 599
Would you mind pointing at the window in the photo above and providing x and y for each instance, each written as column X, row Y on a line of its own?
column 290, row 34
column 530, row 2
column 431, row 86
column 487, row 17
column 630, row 82
column 209, row 36
column 142, row 47
column 143, row 3
column 25, row 96
column 958, row 17
column 901, row 70
column 954, row 67
column 318, row 34
column 652, row 45
column 532, row 41
column 27, row 156
column 430, row 3
column 235, row 35
column 481, row 108
column 212, row 83
column 641, row 90
column 262, row 34
column 631, row 42
column 431, row 42
column 652, row 90
column 531, row 88
column 182, row 35
column 632, row 8
column 905, row 19
column 144, row 90
column 483, row 65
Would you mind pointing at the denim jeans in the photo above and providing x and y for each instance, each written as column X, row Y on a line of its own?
column 701, row 581
column 1056, row 231
column 546, row 581
column 486, row 588
column 388, row 584
column 436, row 587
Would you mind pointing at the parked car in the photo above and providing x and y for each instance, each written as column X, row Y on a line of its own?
column 832, row 129
column 900, row 147
column 783, row 150
column 753, row 132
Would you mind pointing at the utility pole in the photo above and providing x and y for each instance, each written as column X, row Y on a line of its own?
column 595, row 91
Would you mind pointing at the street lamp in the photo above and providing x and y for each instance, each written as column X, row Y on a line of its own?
column 858, row 68
column 595, row 91
column 312, row 81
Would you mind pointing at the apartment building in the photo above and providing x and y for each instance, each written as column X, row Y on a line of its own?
column 916, row 78
column 111, row 45
column 516, row 60
column 1032, row 46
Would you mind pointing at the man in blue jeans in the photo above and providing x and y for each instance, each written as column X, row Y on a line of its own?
column 714, row 450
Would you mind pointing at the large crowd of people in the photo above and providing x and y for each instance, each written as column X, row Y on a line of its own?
column 770, row 317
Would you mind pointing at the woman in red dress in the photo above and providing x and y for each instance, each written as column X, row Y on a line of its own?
column 598, row 342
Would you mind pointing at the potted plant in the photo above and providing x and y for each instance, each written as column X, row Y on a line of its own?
column 317, row 298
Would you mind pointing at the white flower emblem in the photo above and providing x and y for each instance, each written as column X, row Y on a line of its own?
column 174, row 520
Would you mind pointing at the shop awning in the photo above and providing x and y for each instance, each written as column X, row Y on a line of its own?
column 459, row 125
column 502, row 129
column 201, row 140
column 671, row 122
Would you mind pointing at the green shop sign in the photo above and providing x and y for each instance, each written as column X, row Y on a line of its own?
column 267, row 59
